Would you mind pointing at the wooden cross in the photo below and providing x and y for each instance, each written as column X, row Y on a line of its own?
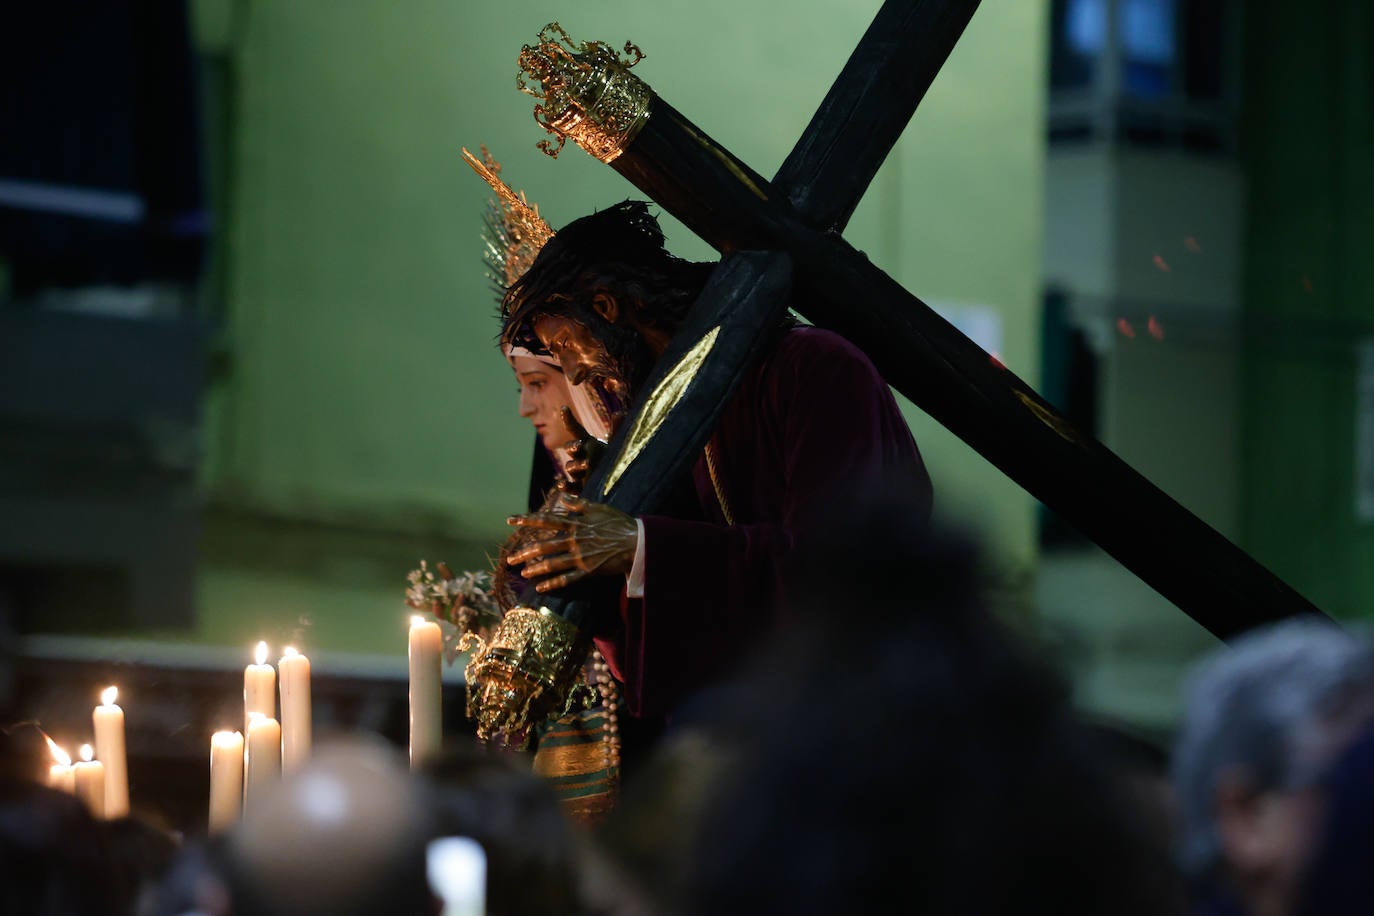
column 758, row 225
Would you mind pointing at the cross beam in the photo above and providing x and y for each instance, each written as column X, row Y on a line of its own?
column 920, row 354
column 827, row 172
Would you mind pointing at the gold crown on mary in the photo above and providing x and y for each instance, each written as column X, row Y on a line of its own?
column 512, row 229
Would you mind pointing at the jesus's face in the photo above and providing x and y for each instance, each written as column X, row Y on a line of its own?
column 584, row 357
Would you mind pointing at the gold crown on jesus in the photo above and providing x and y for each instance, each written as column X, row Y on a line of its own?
column 512, row 229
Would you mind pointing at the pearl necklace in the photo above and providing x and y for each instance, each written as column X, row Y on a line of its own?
column 609, row 691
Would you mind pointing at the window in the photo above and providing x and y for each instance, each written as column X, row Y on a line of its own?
column 1145, row 72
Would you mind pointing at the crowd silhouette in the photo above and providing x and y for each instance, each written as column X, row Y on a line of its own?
column 898, row 747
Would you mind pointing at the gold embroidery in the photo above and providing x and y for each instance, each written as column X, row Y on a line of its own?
column 572, row 759
column 525, row 673
column 660, row 403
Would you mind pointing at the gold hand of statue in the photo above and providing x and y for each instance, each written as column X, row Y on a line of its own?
column 579, row 538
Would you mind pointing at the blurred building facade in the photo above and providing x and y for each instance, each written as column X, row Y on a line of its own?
column 358, row 417
column 104, row 234
column 1206, row 313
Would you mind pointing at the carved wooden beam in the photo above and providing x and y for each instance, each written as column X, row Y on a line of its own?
column 884, row 80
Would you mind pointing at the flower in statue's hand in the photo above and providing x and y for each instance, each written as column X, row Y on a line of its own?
column 466, row 601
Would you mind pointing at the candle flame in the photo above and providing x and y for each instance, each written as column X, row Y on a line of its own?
column 109, row 695
column 87, row 752
column 254, row 716
column 289, row 652
column 416, row 620
column 262, row 653
column 58, row 754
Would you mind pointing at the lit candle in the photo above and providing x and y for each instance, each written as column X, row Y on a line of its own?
column 60, row 774
column 226, row 779
column 89, row 776
column 109, row 750
column 262, row 766
column 259, row 687
column 426, row 689
column 294, row 669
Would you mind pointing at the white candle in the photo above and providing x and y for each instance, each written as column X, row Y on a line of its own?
column 109, row 750
column 226, row 779
column 262, row 766
column 259, row 687
column 426, row 689
column 294, row 670
column 60, row 774
column 90, row 782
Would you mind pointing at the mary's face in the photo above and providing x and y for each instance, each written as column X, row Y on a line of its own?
column 543, row 395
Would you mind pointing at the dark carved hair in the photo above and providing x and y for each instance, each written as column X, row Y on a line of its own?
column 618, row 251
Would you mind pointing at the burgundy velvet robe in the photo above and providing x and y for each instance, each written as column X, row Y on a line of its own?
column 811, row 420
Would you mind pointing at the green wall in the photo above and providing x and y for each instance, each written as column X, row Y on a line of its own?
column 1309, row 294
column 365, row 388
